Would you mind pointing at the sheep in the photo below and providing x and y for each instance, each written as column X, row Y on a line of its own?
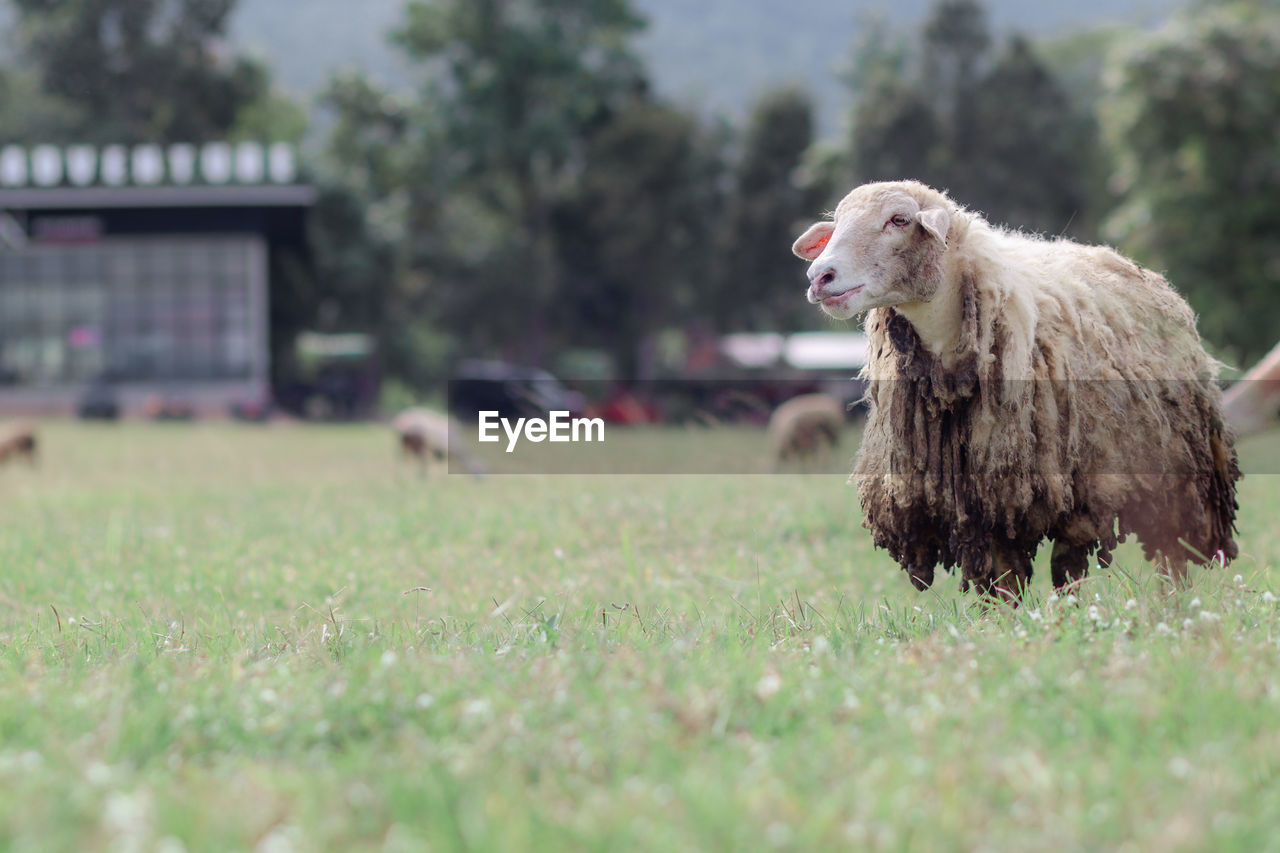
column 422, row 433
column 1020, row 389
column 803, row 426
column 21, row 441
column 1253, row 403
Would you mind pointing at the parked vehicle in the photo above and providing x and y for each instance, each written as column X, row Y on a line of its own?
column 511, row 390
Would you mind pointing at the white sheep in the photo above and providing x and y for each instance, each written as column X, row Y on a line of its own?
column 425, row 435
column 803, row 427
column 1021, row 389
column 1253, row 403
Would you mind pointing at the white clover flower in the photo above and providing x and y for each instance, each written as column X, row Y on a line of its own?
column 1131, row 604
column 169, row 844
column 1163, row 628
column 127, row 815
column 1209, row 616
column 477, row 708
column 1269, row 597
column 1195, row 604
column 768, row 686
column 97, row 773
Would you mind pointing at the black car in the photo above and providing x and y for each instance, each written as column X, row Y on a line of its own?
column 511, row 390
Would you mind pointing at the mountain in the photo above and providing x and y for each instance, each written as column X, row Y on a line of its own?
column 714, row 55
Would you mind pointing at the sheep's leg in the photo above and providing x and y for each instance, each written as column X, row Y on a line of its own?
column 921, row 576
column 1173, row 569
column 1008, row 574
column 1068, row 564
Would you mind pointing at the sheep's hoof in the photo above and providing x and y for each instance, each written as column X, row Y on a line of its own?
column 921, row 577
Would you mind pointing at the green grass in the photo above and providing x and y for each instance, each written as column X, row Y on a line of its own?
column 223, row 638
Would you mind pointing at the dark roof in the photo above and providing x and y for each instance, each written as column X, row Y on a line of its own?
column 99, row 198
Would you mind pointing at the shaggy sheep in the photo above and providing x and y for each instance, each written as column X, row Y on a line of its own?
column 1253, row 403
column 804, row 426
column 424, row 434
column 21, row 441
column 1021, row 389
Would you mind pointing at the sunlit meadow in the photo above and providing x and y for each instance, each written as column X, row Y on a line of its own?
column 285, row 638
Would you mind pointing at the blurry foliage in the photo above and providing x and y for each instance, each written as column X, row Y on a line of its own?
column 774, row 197
column 273, row 117
column 1193, row 118
column 27, row 114
column 356, row 228
column 994, row 128
column 514, row 88
column 635, row 234
column 139, row 70
column 535, row 196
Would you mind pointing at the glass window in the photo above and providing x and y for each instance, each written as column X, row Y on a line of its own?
column 138, row 309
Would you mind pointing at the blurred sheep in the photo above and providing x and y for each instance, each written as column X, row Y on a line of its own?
column 1252, row 404
column 803, row 427
column 20, row 441
column 424, row 435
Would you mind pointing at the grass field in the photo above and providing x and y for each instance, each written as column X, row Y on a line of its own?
column 225, row 638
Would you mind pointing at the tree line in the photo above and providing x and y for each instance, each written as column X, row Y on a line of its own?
column 535, row 198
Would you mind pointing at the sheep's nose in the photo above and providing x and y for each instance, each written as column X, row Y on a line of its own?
column 821, row 278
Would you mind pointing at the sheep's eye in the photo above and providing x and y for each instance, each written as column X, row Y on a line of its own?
column 899, row 220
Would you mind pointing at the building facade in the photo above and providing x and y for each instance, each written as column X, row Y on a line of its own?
column 142, row 272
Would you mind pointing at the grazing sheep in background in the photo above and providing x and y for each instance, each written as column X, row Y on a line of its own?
column 1253, row 403
column 1021, row 389
column 803, row 427
column 424, row 434
column 21, row 441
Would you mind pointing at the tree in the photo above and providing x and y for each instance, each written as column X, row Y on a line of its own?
column 994, row 129
column 139, row 70
column 955, row 51
column 770, row 201
column 1031, row 151
column 359, row 228
column 636, row 231
column 515, row 88
column 1193, row 118
column 897, row 135
column 28, row 115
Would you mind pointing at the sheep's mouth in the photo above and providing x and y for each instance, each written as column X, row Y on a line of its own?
column 841, row 296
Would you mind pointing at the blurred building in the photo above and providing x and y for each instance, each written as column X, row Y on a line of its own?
column 141, row 272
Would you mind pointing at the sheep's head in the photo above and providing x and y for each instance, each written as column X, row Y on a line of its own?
column 884, row 247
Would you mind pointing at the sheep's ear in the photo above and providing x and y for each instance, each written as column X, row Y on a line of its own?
column 936, row 221
column 811, row 243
